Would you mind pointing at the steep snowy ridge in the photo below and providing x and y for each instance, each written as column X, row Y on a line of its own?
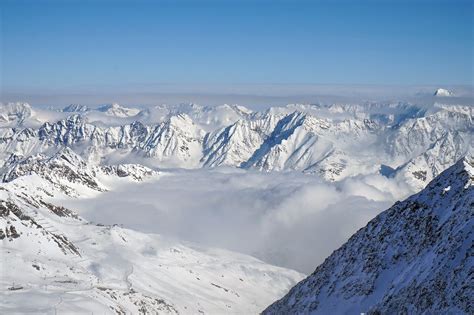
column 415, row 258
column 283, row 129
column 235, row 144
column 303, row 142
column 177, row 142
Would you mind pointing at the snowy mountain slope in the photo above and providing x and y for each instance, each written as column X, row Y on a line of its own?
column 177, row 139
column 58, row 262
column 302, row 142
column 416, row 257
column 332, row 141
column 236, row 143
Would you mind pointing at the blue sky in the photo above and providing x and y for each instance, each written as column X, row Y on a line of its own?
column 80, row 44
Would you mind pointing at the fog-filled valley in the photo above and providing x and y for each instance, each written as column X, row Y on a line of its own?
column 287, row 219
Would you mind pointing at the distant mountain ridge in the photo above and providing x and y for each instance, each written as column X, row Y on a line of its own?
column 332, row 141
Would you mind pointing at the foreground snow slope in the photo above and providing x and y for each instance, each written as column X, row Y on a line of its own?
column 415, row 258
column 52, row 260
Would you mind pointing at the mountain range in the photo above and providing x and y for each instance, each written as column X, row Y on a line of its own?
column 411, row 142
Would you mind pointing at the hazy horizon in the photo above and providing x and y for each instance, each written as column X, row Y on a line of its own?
column 253, row 96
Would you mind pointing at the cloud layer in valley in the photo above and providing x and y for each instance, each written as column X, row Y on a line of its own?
column 288, row 219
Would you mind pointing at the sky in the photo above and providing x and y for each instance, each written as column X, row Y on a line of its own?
column 87, row 47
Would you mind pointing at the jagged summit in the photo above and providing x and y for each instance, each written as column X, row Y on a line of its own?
column 416, row 257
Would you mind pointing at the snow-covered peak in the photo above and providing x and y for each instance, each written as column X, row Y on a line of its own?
column 443, row 93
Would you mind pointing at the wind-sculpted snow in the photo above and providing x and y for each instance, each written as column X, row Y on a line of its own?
column 332, row 141
column 414, row 258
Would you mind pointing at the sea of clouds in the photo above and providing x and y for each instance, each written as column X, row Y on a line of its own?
column 287, row 218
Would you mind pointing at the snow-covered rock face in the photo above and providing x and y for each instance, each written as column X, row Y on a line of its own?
column 443, row 93
column 332, row 141
column 414, row 258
